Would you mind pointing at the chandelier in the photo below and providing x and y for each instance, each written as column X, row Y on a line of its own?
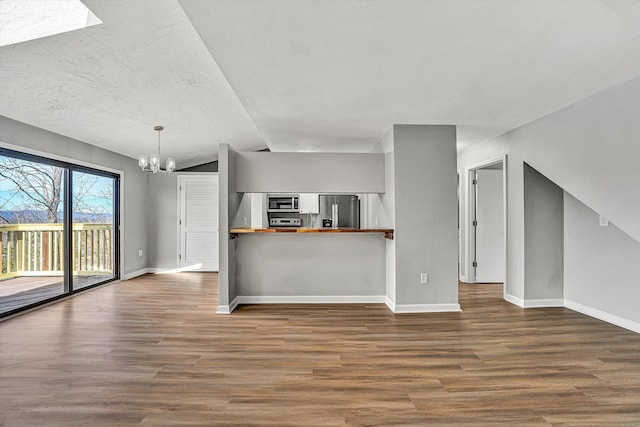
column 152, row 163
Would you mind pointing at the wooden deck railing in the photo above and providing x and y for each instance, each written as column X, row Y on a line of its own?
column 38, row 250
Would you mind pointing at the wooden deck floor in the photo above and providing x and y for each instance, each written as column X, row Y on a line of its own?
column 152, row 351
column 23, row 291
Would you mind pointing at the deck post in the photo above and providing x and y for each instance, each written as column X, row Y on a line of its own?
column 19, row 250
column 46, row 251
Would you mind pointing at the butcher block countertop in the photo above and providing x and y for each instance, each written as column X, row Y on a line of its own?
column 235, row 232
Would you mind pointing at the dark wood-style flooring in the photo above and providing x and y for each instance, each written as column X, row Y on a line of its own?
column 151, row 351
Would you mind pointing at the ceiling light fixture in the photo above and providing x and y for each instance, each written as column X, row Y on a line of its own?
column 152, row 163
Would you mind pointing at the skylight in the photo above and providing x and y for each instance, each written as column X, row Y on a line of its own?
column 23, row 20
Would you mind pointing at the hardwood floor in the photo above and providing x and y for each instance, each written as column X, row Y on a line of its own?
column 152, row 351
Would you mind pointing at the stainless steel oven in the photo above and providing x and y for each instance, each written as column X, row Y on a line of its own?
column 284, row 222
column 283, row 210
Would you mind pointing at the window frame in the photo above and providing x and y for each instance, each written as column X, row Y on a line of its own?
column 70, row 167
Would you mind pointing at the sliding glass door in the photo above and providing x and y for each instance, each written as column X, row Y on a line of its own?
column 58, row 229
column 32, row 232
column 93, row 227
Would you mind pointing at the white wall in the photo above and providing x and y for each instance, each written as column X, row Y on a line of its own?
column 589, row 149
column 164, row 212
column 592, row 150
column 543, row 239
column 311, row 264
column 242, row 217
column 163, row 221
column 381, row 207
column 380, row 212
column 419, row 203
column 229, row 202
column 310, row 173
column 20, row 136
column 602, row 267
column 490, row 253
column 425, row 215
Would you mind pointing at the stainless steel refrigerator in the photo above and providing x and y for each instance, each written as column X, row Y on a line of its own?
column 348, row 209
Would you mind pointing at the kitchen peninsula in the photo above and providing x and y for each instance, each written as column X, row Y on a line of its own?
column 297, row 263
column 301, row 265
column 310, row 265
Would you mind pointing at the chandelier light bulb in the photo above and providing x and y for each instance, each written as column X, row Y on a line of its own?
column 171, row 164
column 143, row 162
column 154, row 161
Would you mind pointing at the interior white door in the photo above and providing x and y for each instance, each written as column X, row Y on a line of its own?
column 198, row 222
column 490, row 256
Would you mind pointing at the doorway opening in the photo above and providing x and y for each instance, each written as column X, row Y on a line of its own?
column 486, row 222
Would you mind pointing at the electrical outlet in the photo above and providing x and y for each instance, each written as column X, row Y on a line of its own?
column 245, row 220
column 139, row 252
column 424, row 278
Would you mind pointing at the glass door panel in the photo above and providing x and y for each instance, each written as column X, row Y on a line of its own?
column 32, row 199
column 93, row 239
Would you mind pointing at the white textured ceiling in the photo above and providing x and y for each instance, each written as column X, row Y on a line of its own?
column 317, row 75
column 109, row 84
column 336, row 74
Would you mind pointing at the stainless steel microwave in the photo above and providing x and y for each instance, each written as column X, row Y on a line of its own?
column 283, row 203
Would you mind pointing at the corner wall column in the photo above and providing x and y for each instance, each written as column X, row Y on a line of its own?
column 227, row 207
column 425, row 218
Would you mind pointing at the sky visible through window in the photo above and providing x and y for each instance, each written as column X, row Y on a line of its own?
column 28, row 188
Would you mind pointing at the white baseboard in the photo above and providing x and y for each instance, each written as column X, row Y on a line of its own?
column 148, row 270
column 233, row 304
column 349, row 299
column 463, row 278
column 602, row 315
column 390, row 304
column 575, row 306
column 285, row 299
column 135, row 274
column 151, row 270
column 156, row 270
column 223, row 309
column 534, row 303
column 425, row 308
column 227, row 309
column 539, row 303
column 514, row 300
column 313, row 299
